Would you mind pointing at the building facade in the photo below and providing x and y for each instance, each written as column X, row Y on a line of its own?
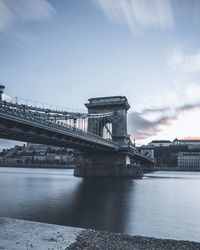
column 160, row 143
column 188, row 160
column 186, row 142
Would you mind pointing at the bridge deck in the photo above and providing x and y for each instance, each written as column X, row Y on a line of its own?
column 28, row 124
column 21, row 124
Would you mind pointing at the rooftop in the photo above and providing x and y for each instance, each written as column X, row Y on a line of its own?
column 188, row 140
column 161, row 141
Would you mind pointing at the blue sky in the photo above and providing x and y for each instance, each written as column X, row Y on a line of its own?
column 64, row 52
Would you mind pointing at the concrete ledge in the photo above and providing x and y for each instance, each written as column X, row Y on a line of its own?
column 24, row 235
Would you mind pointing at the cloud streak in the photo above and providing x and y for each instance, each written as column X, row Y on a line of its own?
column 185, row 63
column 138, row 14
column 142, row 128
column 23, row 11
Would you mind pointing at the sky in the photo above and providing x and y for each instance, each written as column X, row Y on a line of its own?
column 63, row 52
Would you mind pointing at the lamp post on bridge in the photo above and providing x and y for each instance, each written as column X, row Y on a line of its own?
column 2, row 87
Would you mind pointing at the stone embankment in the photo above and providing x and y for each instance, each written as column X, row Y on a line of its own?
column 25, row 235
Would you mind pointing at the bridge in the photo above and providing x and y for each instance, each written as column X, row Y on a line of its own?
column 100, row 134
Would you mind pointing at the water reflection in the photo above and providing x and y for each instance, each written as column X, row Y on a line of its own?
column 162, row 204
column 98, row 204
column 65, row 200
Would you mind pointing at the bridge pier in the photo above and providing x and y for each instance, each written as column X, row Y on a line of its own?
column 101, row 164
column 148, row 167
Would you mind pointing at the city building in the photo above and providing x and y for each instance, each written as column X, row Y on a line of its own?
column 160, row 143
column 188, row 160
column 186, row 142
column 36, row 154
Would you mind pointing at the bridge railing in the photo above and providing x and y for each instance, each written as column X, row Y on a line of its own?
column 21, row 111
column 43, row 106
column 54, row 111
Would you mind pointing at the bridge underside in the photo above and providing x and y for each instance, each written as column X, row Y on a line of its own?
column 13, row 130
column 93, row 160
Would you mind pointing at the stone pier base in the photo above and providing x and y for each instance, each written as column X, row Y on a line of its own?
column 148, row 167
column 106, row 165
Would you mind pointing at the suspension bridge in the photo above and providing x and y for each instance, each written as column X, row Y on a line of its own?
column 100, row 134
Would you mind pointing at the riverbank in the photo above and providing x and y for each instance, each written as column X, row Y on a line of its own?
column 176, row 169
column 97, row 240
column 25, row 235
column 37, row 166
column 19, row 234
column 72, row 166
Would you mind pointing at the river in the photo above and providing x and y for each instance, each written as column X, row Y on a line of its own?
column 162, row 204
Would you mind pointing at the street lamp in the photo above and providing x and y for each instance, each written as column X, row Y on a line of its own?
column 2, row 87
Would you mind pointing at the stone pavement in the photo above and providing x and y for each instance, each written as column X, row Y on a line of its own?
column 24, row 235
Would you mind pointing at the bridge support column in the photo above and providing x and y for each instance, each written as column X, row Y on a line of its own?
column 106, row 165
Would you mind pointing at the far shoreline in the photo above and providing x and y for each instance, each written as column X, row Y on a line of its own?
column 35, row 166
column 175, row 169
column 72, row 166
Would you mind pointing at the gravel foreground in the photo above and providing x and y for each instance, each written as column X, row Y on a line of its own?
column 18, row 234
column 96, row 240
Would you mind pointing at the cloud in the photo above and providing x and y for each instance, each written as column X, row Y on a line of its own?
column 188, row 9
column 6, row 17
column 142, row 127
column 185, row 63
column 193, row 90
column 138, row 14
column 21, row 37
column 23, row 11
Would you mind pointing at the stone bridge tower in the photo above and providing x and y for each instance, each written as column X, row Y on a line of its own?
column 109, row 113
column 116, row 107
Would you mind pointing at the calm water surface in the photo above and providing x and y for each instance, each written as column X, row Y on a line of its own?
column 162, row 204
